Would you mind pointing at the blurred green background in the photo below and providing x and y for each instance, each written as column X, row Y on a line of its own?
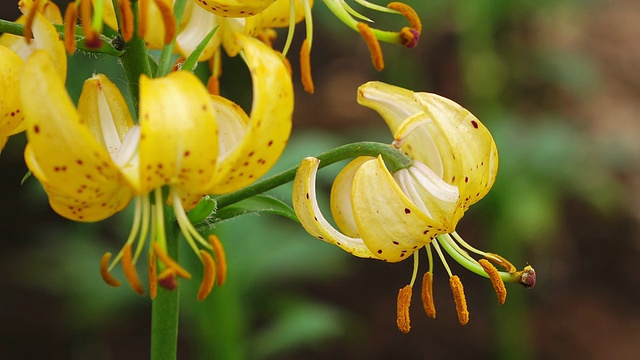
column 558, row 85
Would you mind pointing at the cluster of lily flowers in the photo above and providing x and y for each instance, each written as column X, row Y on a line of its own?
column 184, row 141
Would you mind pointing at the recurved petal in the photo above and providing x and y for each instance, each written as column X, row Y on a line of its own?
column 10, row 114
column 390, row 224
column 269, row 128
column 179, row 141
column 404, row 115
column 234, row 8
column 275, row 16
column 474, row 160
column 47, row 38
column 305, row 204
column 62, row 152
column 341, row 197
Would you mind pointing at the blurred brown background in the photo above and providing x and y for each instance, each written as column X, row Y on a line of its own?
column 556, row 82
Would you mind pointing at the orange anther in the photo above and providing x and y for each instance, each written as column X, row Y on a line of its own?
column 104, row 271
column 305, row 67
column 126, row 14
column 143, row 11
column 130, row 270
column 166, row 12
column 169, row 262
column 461, row 301
column 502, row 262
column 153, row 275
column 427, row 295
column 404, row 301
column 409, row 13
column 209, row 276
column 218, row 250
column 213, row 85
column 91, row 37
column 496, row 280
column 373, row 44
column 31, row 15
column 70, row 20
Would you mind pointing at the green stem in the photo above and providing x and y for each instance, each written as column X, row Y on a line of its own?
column 164, row 64
column 135, row 63
column 165, row 307
column 106, row 47
column 394, row 158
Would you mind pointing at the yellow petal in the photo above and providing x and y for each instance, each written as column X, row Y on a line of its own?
column 3, row 142
column 275, row 16
column 476, row 157
column 103, row 108
column 341, row 197
column 10, row 113
column 269, row 128
column 109, row 14
column 305, row 204
column 179, row 141
column 390, row 224
column 234, row 8
column 62, row 152
column 197, row 23
column 47, row 38
column 396, row 105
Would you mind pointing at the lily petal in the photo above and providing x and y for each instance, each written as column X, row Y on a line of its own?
column 396, row 105
column 234, row 8
column 270, row 121
column 10, row 114
column 197, row 24
column 476, row 165
column 74, row 168
column 305, row 204
column 341, row 197
column 390, row 224
column 103, row 108
column 276, row 16
column 179, row 141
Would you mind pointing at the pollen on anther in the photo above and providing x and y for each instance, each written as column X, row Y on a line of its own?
column 208, row 278
column 458, row 297
column 104, row 271
column 496, row 280
column 404, row 301
column 221, row 265
column 427, row 295
column 130, row 270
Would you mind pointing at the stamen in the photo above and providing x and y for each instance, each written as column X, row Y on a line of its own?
column 501, row 261
column 70, row 20
column 427, row 295
column 130, row 270
column 166, row 12
column 213, row 84
column 208, row 278
column 404, row 301
column 167, row 279
column 104, row 271
column 305, row 67
column 126, row 13
column 409, row 13
column 143, row 10
column 461, row 302
column 222, row 259
column 372, row 43
column 496, row 280
column 153, row 275
column 31, row 15
column 170, row 263
column 92, row 39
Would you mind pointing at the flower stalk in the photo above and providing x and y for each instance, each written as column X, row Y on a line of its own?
column 394, row 158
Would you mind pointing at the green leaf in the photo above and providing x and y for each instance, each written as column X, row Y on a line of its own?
column 192, row 61
column 254, row 205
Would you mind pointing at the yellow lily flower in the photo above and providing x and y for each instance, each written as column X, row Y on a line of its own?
column 389, row 216
column 92, row 161
column 13, row 50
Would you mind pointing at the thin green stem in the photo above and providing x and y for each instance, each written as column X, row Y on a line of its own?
column 393, row 157
column 106, row 47
column 165, row 307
